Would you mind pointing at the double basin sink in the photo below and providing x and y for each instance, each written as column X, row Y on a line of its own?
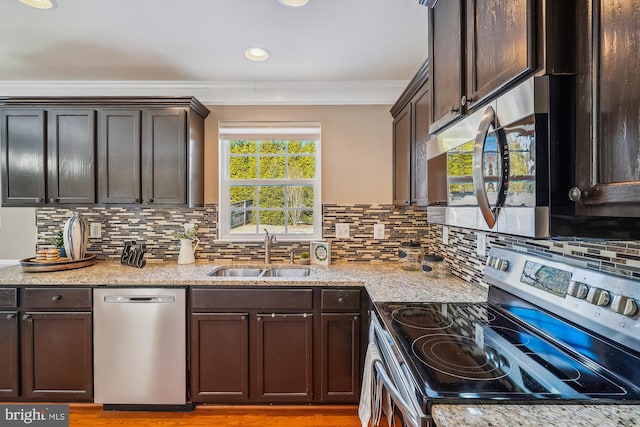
column 258, row 272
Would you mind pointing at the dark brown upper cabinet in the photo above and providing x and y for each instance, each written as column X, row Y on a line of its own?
column 164, row 156
column 446, row 57
column 120, row 142
column 499, row 46
column 143, row 156
column 48, row 156
column 479, row 48
column 608, row 113
column 71, row 157
column 411, row 119
column 138, row 151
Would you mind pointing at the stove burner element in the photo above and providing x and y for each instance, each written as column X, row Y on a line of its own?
column 421, row 318
column 461, row 357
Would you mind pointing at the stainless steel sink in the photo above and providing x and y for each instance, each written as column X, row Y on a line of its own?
column 289, row 272
column 238, row 272
column 251, row 271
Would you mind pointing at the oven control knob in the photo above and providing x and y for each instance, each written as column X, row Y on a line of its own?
column 578, row 290
column 498, row 263
column 624, row 305
column 502, row 264
column 598, row 296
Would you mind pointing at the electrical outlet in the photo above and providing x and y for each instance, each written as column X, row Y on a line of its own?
column 378, row 231
column 445, row 235
column 342, row 231
column 481, row 244
column 95, row 230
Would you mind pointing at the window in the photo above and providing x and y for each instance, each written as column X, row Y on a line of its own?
column 270, row 180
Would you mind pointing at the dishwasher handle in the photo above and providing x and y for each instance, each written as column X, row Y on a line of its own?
column 126, row 299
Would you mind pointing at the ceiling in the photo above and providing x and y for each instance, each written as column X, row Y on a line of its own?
column 327, row 52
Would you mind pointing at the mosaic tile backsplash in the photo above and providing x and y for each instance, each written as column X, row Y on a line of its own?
column 616, row 257
column 155, row 227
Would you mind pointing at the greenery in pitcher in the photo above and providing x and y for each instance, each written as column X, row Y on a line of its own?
column 185, row 232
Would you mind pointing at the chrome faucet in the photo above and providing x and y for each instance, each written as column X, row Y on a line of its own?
column 268, row 241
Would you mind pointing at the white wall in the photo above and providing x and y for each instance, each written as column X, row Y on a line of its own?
column 17, row 233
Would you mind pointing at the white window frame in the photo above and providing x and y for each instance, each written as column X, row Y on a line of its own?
column 266, row 130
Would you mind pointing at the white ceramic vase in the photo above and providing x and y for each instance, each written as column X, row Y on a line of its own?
column 76, row 236
column 187, row 249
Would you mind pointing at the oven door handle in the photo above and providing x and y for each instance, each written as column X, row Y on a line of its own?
column 490, row 214
column 410, row 418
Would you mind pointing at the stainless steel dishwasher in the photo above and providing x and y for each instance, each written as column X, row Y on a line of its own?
column 140, row 348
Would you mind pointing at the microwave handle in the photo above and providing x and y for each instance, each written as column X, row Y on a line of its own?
column 490, row 214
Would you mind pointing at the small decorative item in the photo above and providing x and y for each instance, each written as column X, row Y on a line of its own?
column 133, row 253
column 187, row 235
column 320, row 253
column 57, row 241
column 304, row 258
column 76, row 236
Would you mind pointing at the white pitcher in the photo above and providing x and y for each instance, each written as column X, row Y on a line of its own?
column 187, row 249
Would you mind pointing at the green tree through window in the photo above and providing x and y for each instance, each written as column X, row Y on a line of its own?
column 270, row 182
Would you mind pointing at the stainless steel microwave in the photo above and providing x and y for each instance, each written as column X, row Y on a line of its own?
column 496, row 165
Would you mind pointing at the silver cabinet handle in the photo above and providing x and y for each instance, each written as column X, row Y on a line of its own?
column 11, row 316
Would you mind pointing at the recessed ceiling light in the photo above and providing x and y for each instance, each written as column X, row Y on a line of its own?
column 256, row 54
column 38, row 4
column 293, row 3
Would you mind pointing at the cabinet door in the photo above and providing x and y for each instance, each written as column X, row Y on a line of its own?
column 446, row 61
column 421, row 121
column 119, row 142
column 219, row 357
column 500, row 44
column 57, row 363
column 9, row 367
column 340, row 357
column 71, row 156
column 608, row 169
column 402, row 157
column 164, row 157
column 284, row 353
column 23, row 150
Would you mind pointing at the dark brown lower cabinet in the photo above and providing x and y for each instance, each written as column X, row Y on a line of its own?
column 220, row 357
column 340, row 359
column 285, row 357
column 57, row 362
column 9, row 376
column 275, row 345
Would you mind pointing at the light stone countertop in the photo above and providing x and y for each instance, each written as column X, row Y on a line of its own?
column 536, row 415
column 383, row 281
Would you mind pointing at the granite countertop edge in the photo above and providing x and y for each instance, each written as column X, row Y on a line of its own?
column 383, row 281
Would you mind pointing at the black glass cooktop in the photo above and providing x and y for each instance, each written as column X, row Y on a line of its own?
column 479, row 350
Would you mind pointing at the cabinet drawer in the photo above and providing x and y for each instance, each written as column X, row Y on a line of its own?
column 8, row 297
column 340, row 300
column 56, row 298
column 252, row 299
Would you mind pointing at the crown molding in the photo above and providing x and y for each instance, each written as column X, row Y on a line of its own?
column 369, row 92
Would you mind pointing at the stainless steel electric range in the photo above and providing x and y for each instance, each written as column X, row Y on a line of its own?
column 550, row 332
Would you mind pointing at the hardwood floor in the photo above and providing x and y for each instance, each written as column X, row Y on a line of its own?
column 85, row 415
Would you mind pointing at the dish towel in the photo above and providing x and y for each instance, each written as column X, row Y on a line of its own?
column 370, row 407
